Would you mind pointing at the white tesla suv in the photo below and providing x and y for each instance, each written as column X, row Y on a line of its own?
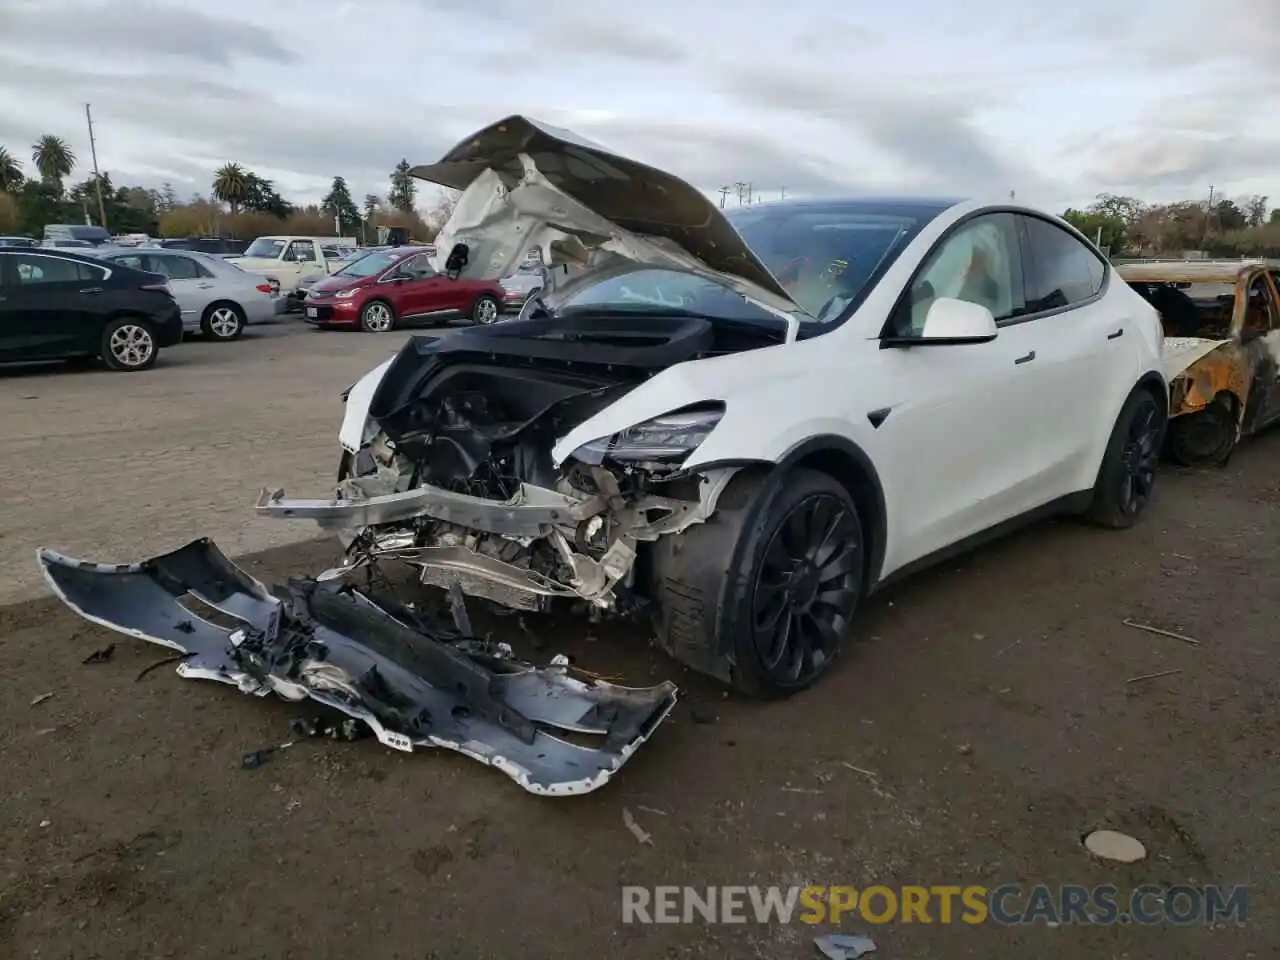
column 740, row 423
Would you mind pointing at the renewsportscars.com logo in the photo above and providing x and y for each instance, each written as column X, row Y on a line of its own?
column 1009, row 904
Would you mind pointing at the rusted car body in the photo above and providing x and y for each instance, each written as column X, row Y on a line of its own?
column 1222, row 328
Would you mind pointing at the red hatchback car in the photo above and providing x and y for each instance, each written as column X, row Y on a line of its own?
column 378, row 291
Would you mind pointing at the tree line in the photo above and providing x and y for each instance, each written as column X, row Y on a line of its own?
column 240, row 203
column 1125, row 226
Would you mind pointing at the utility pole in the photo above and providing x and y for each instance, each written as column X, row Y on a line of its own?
column 750, row 194
column 97, row 177
column 782, row 193
column 724, row 192
column 742, row 191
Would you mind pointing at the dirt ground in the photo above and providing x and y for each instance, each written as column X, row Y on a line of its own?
column 101, row 464
column 985, row 706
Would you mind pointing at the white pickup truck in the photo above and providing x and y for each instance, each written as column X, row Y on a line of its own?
column 289, row 259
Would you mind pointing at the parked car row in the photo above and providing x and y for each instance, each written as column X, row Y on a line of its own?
column 57, row 305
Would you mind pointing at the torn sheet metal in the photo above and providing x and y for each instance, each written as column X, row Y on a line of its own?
column 1178, row 353
column 337, row 646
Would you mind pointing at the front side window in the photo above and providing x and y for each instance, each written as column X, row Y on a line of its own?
column 1260, row 312
column 1062, row 271
column 302, row 251
column 266, row 248
column 979, row 262
column 418, row 267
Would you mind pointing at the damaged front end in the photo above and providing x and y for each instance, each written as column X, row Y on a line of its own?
column 414, row 681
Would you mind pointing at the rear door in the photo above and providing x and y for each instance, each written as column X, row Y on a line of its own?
column 1087, row 351
column 191, row 283
column 54, row 307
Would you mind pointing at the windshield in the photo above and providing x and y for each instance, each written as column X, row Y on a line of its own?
column 367, row 265
column 266, row 248
column 827, row 258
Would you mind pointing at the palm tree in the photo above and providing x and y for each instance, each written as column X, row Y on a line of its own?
column 10, row 172
column 231, row 185
column 54, row 159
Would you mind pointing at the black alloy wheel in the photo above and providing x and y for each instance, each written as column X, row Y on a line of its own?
column 807, row 587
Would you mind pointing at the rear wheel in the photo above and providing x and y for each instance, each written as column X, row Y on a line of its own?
column 377, row 317
column 222, row 321
column 128, row 344
column 1127, row 476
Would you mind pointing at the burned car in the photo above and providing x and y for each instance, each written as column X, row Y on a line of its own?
column 738, row 425
column 1222, row 342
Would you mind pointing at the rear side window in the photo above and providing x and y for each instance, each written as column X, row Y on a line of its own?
column 1061, row 271
column 175, row 268
column 31, row 270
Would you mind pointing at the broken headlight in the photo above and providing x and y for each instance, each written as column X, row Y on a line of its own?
column 668, row 437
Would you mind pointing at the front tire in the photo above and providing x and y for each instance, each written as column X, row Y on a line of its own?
column 1126, row 478
column 222, row 321
column 377, row 317
column 1206, row 436
column 128, row 344
column 775, row 620
column 485, row 310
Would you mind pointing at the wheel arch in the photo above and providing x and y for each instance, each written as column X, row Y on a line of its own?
column 847, row 463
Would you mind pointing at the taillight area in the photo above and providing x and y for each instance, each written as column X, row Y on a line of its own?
column 157, row 287
column 265, row 288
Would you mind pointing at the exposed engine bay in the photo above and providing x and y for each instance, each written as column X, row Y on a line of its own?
column 458, row 479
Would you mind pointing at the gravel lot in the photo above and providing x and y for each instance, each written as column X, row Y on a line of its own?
column 122, row 466
column 979, row 728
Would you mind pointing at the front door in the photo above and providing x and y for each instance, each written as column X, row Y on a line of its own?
column 1262, row 323
column 52, row 307
column 959, row 420
column 424, row 293
column 305, row 257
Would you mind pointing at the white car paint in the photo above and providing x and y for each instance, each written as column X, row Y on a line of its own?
column 974, row 436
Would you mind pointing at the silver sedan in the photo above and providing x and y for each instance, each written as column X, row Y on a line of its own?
column 217, row 298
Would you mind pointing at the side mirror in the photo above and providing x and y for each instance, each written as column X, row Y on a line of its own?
column 459, row 257
column 958, row 321
column 950, row 322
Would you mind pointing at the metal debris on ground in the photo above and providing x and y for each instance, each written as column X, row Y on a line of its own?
column 964, row 749
column 1111, row 845
column 1162, row 633
column 413, row 680
column 1154, row 676
column 101, row 656
column 305, row 728
column 844, row 946
column 161, row 663
column 637, row 831
column 41, row 699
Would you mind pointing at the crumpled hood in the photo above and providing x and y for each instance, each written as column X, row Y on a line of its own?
column 1179, row 353
column 525, row 184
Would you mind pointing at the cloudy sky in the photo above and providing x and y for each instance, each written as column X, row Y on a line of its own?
column 1057, row 101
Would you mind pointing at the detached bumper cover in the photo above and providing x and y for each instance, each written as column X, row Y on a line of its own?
column 339, row 647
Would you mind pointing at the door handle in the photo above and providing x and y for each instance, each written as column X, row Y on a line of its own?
column 206, row 286
column 1117, row 335
column 91, row 290
column 1027, row 359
